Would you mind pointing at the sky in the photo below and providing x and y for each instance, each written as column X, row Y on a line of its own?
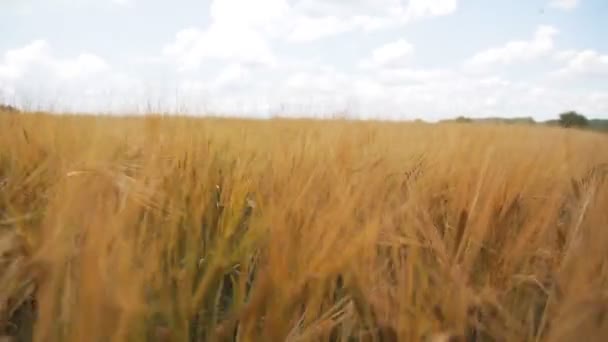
column 385, row 59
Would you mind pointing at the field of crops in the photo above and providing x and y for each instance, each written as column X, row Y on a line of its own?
column 181, row 229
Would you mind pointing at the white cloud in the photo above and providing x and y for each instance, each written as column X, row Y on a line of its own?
column 404, row 76
column 565, row 55
column 308, row 20
column 395, row 10
column 232, row 75
column 494, row 81
column 304, row 88
column 390, row 55
column 401, row 93
column 432, row 8
column 315, row 19
column 428, row 93
column 518, row 50
column 37, row 56
column 241, row 31
column 598, row 101
column 313, row 28
column 344, row 8
column 252, row 14
column 325, row 80
column 34, row 71
column 234, row 35
column 84, row 65
column 17, row 61
column 222, row 42
column 564, row 4
column 234, row 66
column 583, row 63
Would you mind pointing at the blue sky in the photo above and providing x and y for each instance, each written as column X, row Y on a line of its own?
column 393, row 59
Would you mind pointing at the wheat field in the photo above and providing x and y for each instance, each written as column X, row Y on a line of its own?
column 168, row 228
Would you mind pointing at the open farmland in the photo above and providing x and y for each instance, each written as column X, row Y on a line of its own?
column 181, row 229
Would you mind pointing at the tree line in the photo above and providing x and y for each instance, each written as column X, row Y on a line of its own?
column 569, row 119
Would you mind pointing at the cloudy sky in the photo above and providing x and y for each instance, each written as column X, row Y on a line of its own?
column 391, row 59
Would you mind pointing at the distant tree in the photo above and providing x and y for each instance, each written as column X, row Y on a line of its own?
column 8, row 109
column 463, row 119
column 573, row 119
column 599, row 124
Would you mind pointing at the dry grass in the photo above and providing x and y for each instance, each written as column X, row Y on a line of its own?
column 176, row 229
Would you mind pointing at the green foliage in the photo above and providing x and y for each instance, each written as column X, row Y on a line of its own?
column 463, row 119
column 524, row 120
column 493, row 120
column 460, row 119
column 599, row 125
column 573, row 119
